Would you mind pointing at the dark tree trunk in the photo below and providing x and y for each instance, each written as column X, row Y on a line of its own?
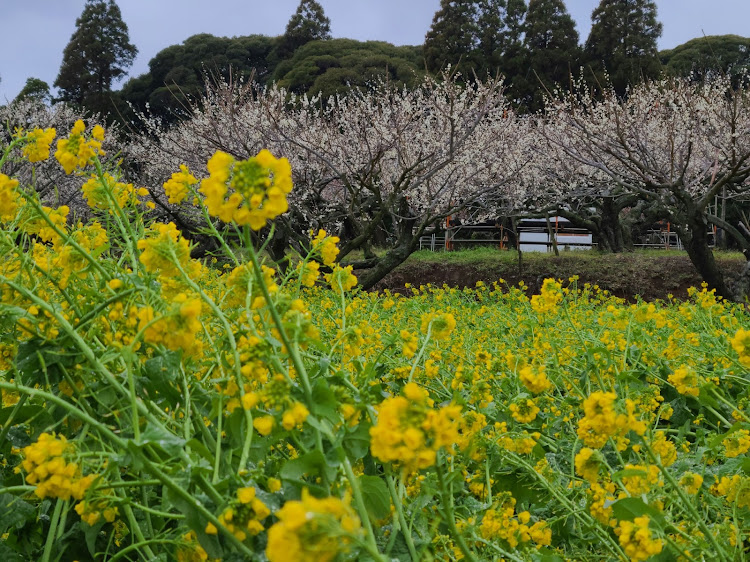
column 405, row 246
column 695, row 239
column 387, row 263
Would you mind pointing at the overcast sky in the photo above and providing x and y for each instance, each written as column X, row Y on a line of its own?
column 33, row 33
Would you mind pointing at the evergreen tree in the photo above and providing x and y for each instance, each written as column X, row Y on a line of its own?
column 551, row 50
column 622, row 42
column 309, row 23
column 453, row 37
column 500, row 36
column 34, row 89
column 704, row 58
column 481, row 36
column 99, row 52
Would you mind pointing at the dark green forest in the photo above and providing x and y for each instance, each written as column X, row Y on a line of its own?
column 533, row 44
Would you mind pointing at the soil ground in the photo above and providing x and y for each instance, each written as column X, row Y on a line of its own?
column 650, row 275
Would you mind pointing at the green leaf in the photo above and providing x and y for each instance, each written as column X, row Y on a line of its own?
column 310, row 464
column 376, row 496
column 160, row 378
column 628, row 509
column 197, row 523
column 37, row 361
column 324, row 403
column 8, row 555
column 167, row 441
column 357, row 443
column 14, row 512
column 24, row 413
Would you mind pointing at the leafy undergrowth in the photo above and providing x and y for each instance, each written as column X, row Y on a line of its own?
column 157, row 408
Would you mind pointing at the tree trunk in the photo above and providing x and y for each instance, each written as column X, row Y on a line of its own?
column 387, row 263
column 610, row 226
column 695, row 240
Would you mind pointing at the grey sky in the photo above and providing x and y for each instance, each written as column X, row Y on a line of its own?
column 33, row 33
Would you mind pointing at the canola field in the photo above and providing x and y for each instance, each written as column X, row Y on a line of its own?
column 159, row 407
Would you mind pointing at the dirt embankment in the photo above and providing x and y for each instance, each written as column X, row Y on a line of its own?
column 624, row 275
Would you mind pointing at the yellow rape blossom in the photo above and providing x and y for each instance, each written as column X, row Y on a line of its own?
column 294, row 416
column 312, row 530
column 537, row 381
column 178, row 186
column 440, row 324
column 99, row 193
column 410, row 431
column 737, row 443
column 76, row 151
column 38, row 142
column 685, row 380
column 164, row 248
column 636, row 539
column 325, row 246
column 9, row 198
column 692, row 482
column 341, row 279
column 259, row 187
column 47, row 469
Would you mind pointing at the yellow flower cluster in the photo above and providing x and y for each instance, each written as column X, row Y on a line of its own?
column 178, row 186
column 294, row 416
column 685, row 380
column 164, row 248
column 501, row 522
column 312, row 530
column 341, row 279
column 37, row 144
column 741, row 344
column 410, row 431
column 734, row 489
column 601, row 420
column 176, row 330
column 9, row 198
column 636, row 539
column 409, row 343
column 548, row 298
column 441, row 325
column 243, row 516
column 325, row 246
column 537, row 381
column 601, row 497
column 588, row 463
column 692, row 482
column 190, row 550
column 41, row 227
column 100, row 194
column 308, row 273
column 240, row 283
column 259, row 188
column 640, row 479
column 92, row 511
column 737, row 443
column 664, row 448
column 63, row 262
column 47, row 469
column 77, row 152
column 524, row 410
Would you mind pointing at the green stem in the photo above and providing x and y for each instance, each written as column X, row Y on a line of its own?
column 405, row 531
column 52, row 532
column 421, row 352
column 447, row 501
column 687, row 503
column 361, row 508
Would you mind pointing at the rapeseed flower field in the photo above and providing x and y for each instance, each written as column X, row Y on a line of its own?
column 160, row 407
